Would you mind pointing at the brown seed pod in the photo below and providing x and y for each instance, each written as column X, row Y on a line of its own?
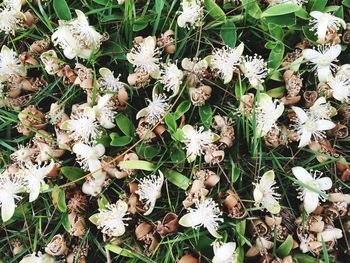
column 310, row 96
column 168, row 226
column 57, row 246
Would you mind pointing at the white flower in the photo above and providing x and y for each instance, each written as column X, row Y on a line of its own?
column 197, row 141
column 82, row 125
column 192, row 13
column 34, row 175
column 76, row 37
column 155, row 110
column 93, row 185
column 11, row 184
column 312, row 187
column 254, row 69
column 171, row 77
column 105, row 112
column 267, row 113
column 111, row 219
column 224, row 253
column 205, row 214
column 10, row 20
column 89, row 157
column 308, row 125
column 145, row 57
column 265, row 195
column 325, row 22
column 340, row 86
column 226, row 60
column 330, row 234
column 277, row 2
column 149, row 189
column 108, row 82
column 322, row 109
column 10, row 64
column 195, row 69
column 40, row 258
column 323, row 60
column 23, row 154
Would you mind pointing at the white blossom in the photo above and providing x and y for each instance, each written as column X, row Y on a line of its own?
column 10, row 20
column 226, row 60
column 196, row 141
column 313, row 187
column 108, row 82
column 11, row 184
column 254, row 69
column 265, row 195
column 38, row 258
column 34, row 175
column 277, row 2
column 330, row 234
column 340, row 86
column 323, row 23
column 111, row 219
column 145, row 57
column 224, row 252
column 309, row 125
column 171, row 77
column 267, row 113
column 191, row 14
column 323, row 59
column 82, row 125
column 155, row 110
column 88, row 156
column 105, row 112
column 149, row 190
column 76, row 37
column 206, row 214
column 10, row 64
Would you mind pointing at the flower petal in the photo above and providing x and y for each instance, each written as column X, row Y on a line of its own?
column 213, row 232
column 333, row 52
column 305, row 138
column 324, row 73
column 301, row 114
column 7, row 207
column 81, row 149
column 272, row 205
column 310, row 54
column 310, row 201
column 323, row 125
column 189, row 220
column 324, row 183
column 301, row 174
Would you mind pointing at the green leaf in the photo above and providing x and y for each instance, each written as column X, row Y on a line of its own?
column 177, row 179
column 72, row 173
column 214, row 10
column 325, row 252
column 183, row 107
column 235, row 172
column 206, row 115
column 62, row 9
column 125, row 125
column 120, row 140
column 346, row 3
column 170, row 122
column 59, row 199
column 101, row 2
column 142, row 22
column 65, row 222
column 148, row 152
column 303, row 258
column 276, row 56
column 284, row 249
column 276, row 92
column 119, row 250
column 240, row 229
column 282, row 20
column 93, row 219
column 281, row 9
column 252, row 8
column 137, row 165
column 319, row 5
column 228, row 33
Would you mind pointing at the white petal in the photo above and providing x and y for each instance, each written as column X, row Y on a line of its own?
column 150, row 208
column 323, row 125
column 100, row 149
column 267, row 180
column 324, row 73
column 272, row 205
column 258, row 195
column 333, row 52
column 324, row 183
column 316, row 14
column 213, row 232
column 301, row 174
column 310, row 201
column 190, row 220
column 301, row 114
column 310, row 54
column 81, row 149
column 7, row 207
column 305, row 138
